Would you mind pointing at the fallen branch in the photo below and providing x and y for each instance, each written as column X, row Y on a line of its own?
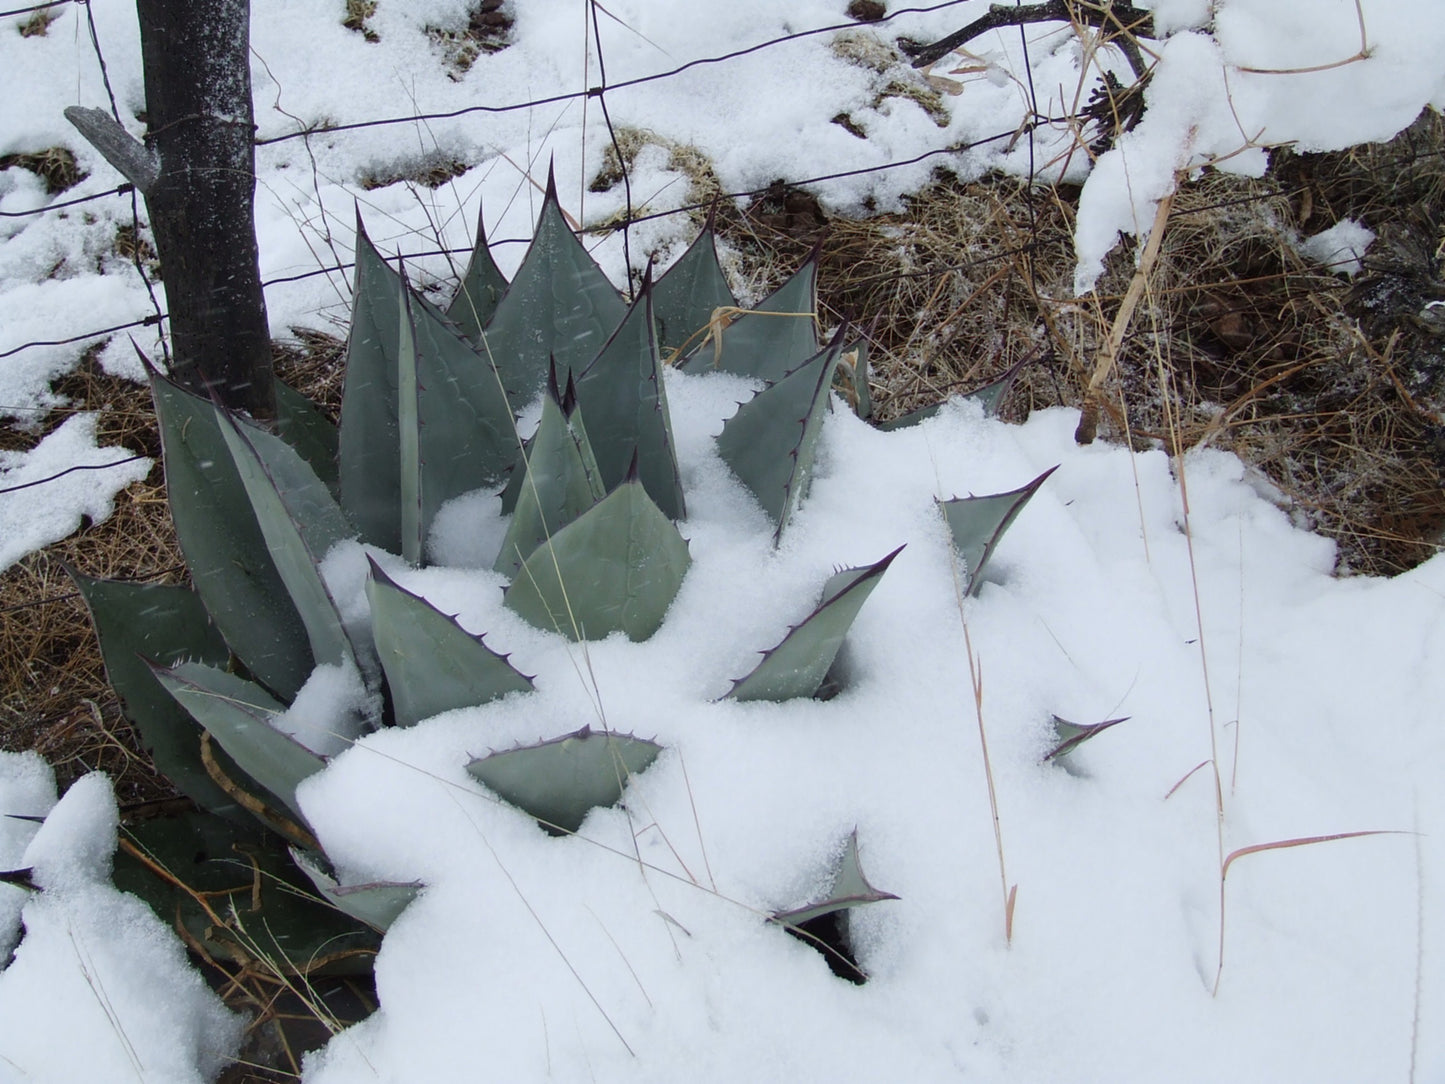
column 1130, row 23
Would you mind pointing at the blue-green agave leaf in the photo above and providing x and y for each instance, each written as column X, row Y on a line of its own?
column 978, row 523
column 618, row 566
column 224, row 547
column 300, row 522
column 482, row 287
column 849, row 889
column 408, row 429
column 771, row 340
column 798, row 665
column 1069, row 736
column 559, row 781
column 376, row 903
column 770, row 443
column 912, row 418
column 512, row 490
column 166, row 624
column 301, row 425
column 432, row 664
column 238, row 714
column 991, row 396
column 687, row 294
column 242, row 875
column 455, row 427
column 560, row 305
column 560, row 478
column 369, row 441
column 625, row 403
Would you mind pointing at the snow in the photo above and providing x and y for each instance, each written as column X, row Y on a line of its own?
column 40, row 503
column 1340, row 248
column 1174, row 592
column 99, row 988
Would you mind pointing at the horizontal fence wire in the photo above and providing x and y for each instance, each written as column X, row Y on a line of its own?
column 38, row 7
column 118, row 190
column 71, row 470
column 592, row 92
column 597, row 91
column 624, row 223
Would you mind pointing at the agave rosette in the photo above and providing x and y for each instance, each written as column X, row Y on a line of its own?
column 593, row 547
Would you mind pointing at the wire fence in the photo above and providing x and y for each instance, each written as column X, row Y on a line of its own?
column 598, row 91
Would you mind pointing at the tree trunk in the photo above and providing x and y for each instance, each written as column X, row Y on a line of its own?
column 196, row 56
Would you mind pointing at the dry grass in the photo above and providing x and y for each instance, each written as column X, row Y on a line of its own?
column 488, row 29
column 1336, row 391
column 53, row 694
column 355, row 18
column 38, row 25
column 56, row 166
column 430, row 170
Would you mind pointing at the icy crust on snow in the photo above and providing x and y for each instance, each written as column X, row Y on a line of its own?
column 558, row 956
column 99, row 988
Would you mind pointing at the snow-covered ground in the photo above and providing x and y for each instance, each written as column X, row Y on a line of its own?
column 1211, row 622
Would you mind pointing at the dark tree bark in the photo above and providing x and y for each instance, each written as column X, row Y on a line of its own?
column 196, row 56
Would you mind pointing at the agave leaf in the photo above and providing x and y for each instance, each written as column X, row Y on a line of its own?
column 622, row 395
column 798, row 665
column 238, row 714
column 512, row 491
column 851, row 378
column 560, row 479
column 688, row 293
column 771, row 441
column 300, row 522
column 224, row 547
column 408, row 430
column 912, row 418
column 139, row 621
column 310, row 432
column 850, row 889
column 772, row 340
column 618, row 566
column 482, row 287
column 992, row 395
column 432, row 664
column 376, row 903
column 369, row 448
column 978, row 523
column 560, row 305
column 21, row 878
column 455, row 427
column 559, row 781
column 245, row 878
column 1069, row 736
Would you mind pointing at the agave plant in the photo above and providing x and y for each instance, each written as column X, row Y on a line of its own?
column 430, row 412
